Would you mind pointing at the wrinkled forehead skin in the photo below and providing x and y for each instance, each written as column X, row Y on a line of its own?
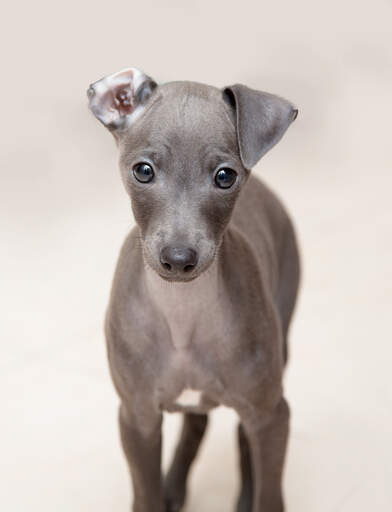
column 186, row 122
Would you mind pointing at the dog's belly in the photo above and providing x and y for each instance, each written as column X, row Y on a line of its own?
column 187, row 385
column 190, row 401
column 188, row 398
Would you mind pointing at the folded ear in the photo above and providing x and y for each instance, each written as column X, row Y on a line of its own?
column 261, row 120
column 118, row 99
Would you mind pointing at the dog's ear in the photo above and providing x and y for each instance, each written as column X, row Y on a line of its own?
column 118, row 99
column 261, row 120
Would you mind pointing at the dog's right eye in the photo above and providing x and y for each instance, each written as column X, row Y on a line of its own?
column 143, row 172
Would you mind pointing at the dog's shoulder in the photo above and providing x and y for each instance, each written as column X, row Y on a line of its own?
column 126, row 277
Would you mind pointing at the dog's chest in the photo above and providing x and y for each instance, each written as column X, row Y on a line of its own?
column 195, row 318
column 192, row 311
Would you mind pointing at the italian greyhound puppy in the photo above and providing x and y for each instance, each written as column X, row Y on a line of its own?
column 205, row 284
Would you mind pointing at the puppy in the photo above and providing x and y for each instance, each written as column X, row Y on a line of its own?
column 206, row 282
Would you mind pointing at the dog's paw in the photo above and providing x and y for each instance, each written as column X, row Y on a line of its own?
column 174, row 498
column 172, row 506
column 244, row 503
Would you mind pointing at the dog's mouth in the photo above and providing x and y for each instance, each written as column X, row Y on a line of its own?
column 178, row 279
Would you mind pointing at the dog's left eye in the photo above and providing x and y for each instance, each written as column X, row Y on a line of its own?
column 143, row 172
column 225, row 178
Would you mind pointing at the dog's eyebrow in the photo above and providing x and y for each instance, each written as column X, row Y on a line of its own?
column 157, row 150
column 154, row 151
column 217, row 155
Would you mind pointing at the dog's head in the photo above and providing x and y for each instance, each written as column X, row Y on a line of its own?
column 185, row 152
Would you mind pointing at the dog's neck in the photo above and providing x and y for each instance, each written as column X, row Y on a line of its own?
column 183, row 303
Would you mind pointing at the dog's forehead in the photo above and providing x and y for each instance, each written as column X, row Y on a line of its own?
column 187, row 112
column 190, row 100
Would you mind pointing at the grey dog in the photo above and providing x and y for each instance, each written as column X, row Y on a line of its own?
column 205, row 284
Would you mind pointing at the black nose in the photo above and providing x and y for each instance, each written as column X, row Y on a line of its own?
column 180, row 259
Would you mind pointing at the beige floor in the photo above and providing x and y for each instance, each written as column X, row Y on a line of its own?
column 64, row 214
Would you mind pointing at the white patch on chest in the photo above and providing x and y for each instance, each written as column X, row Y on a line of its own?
column 189, row 398
column 187, row 307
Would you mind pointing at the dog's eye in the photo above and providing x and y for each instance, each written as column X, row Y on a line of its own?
column 143, row 172
column 225, row 178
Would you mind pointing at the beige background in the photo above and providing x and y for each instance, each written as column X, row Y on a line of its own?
column 64, row 215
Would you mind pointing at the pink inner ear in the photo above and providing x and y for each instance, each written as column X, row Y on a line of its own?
column 113, row 97
column 123, row 100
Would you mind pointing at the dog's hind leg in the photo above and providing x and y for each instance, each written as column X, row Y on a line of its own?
column 192, row 433
column 245, row 498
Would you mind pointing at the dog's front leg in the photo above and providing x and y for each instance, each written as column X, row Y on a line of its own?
column 267, row 443
column 141, row 441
